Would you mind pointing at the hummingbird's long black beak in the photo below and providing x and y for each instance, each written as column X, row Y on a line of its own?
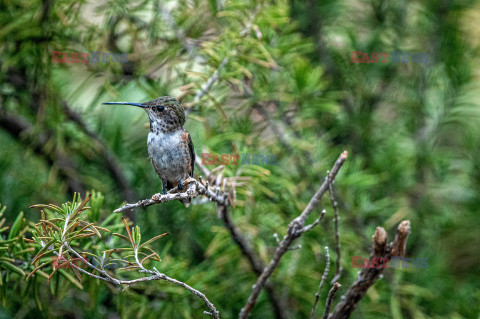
column 126, row 103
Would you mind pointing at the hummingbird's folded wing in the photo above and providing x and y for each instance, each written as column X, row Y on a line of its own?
column 192, row 153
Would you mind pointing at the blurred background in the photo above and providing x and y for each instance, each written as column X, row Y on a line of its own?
column 285, row 85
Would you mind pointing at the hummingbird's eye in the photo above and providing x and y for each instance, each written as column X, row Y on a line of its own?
column 160, row 108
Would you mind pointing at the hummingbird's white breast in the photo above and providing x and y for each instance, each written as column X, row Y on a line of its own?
column 168, row 154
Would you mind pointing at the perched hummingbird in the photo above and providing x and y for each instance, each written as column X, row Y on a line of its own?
column 169, row 145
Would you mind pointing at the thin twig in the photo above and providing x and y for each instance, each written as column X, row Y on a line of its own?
column 204, row 170
column 337, row 237
column 106, row 276
column 206, row 87
column 324, row 277
column 331, row 294
column 295, row 230
column 316, row 222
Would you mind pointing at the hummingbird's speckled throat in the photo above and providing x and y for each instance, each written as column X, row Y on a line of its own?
column 169, row 145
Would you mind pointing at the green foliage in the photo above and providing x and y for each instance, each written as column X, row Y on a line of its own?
column 62, row 230
column 289, row 89
column 13, row 251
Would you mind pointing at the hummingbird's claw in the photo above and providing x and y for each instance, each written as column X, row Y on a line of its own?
column 180, row 185
column 164, row 187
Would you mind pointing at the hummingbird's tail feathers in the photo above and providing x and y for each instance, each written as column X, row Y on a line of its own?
column 171, row 185
column 186, row 202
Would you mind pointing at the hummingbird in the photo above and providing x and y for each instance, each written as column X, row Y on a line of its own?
column 170, row 146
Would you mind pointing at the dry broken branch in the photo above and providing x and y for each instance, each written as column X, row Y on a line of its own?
column 369, row 275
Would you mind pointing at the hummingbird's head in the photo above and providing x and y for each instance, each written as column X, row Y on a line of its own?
column 165, row 113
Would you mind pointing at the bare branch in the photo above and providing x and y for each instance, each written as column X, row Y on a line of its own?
column 379, row 244
column 337, row 237
column 295, row 230
column 194, row 189
column 206, row 87
column 330, row 296
column 324, row 277
column 316, row 222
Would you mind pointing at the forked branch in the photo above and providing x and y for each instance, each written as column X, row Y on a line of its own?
column 155, row 275
column 295, row 229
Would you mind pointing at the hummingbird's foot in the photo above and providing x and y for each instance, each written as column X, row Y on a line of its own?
column 164, row 186
column 180, row 185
